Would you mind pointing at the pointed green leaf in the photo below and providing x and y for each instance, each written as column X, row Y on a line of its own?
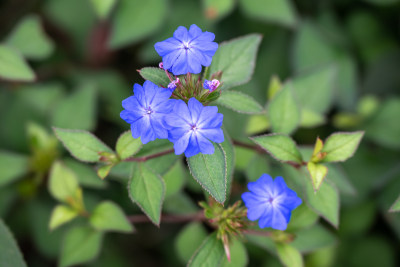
column 155, row 75
column 103, row 7
column 257, row 124
column 189, row 239
column 127, row 146
column 78, row 110
column 289, row 256
column 339, row 178
column 62, row 182
column 130, row 22
column 85, row 174
column 13, row 66
column 325, row 201
column 317, row 173
column 147, row 190
column 174, row 179
column 104, row 170
column 12, row 166
column 396, row 206
column 81, row 244
column 81, row 144
column 279, row 11
column 311, row 118
column 10, row 254
column 210, row 253
column 279, row 146
column 30, row 39
column 61, row 214
column 313, row 238
column 239, row 102
column 341, row 146
column 236, row 59
column 229, row 150
column 108, row 216
column 283, row 111
column 210, row 172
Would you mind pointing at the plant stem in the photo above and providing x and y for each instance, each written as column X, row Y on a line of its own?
column 152, row 156
column 168, row 218
column 257, row 148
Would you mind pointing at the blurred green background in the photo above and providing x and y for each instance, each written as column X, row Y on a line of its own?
column 74, row 61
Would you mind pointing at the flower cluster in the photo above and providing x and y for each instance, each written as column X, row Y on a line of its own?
column 270, row 201
column 178, row 115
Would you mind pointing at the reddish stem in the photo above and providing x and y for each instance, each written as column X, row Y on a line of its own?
column 152, row 156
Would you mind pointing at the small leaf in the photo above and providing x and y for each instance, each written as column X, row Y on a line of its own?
column 108, row 216
column 61, row 215
column 103, row 7
column 147, row 190
column 236, row 59
column 289, row 256
column 85, row 174
column 81, row 144
column 10, row 254
column 341, row 146
column 62, row 182
column 104, row 170
column 317, row 172
column 127, row 146
column 279, row 146
column 274, row 87
column 325, row 201
column 174, row 179
column 12, row 166
column 239, row 102
column 210, row 172
column 13, row 66
column 210, row 253
column 279, row 11
column 131, row 24
column 396, row 206
column 81, row 244
column 155, row 75
column 283, row 111
column 78, row 110
column 30, row 39
column 189, row 239
column 311, row 119
column 257, row 124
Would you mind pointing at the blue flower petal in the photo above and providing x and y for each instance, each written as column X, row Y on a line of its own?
column 214, row 134
column 181, row 34
column 182, row 143
column 193, row 147
column 205, row 146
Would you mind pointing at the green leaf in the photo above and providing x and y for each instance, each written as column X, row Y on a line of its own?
column 314, row 90
column 341, row 146
column 12, row 167
column 62, row 182
column 10, row 255
column 174, row 179
column 311, row 119
column 78, row 110
column 155, row 75
column 257, row 124
column 210, row 172
column 302, row 217
column 396, row 206
column 147, row 190
column 313, row 238
column 85, row 174
column 210, row 253
column 257, row 166
column 339, row 178
column 289, row 256
column 104, row 170
column 131, row 21
column 81, row 244
column 283, row 111
column 279, row 11
column 61, row 215
column 239, row 102
column 103, row 7
column 127, row 146
column 279, row 146
column 217, row 9
column 81, row 144
column 236, row 59
column 30, row 39
column 188, row 240
column 325, row 201
column 108, row 216
column 13, row 66
column 239, row 257
column 317, row 173
column 229, row 150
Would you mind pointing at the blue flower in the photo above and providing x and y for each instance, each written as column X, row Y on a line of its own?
column 187, row 51
column 145, row 111
column 172, row 85
column 211, row 85
column 271, row 201
column 192, row 126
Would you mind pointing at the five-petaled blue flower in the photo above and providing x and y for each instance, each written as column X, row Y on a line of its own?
column 271, row 201
column 190, row 127
column 187, row 51
column 145, row 111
